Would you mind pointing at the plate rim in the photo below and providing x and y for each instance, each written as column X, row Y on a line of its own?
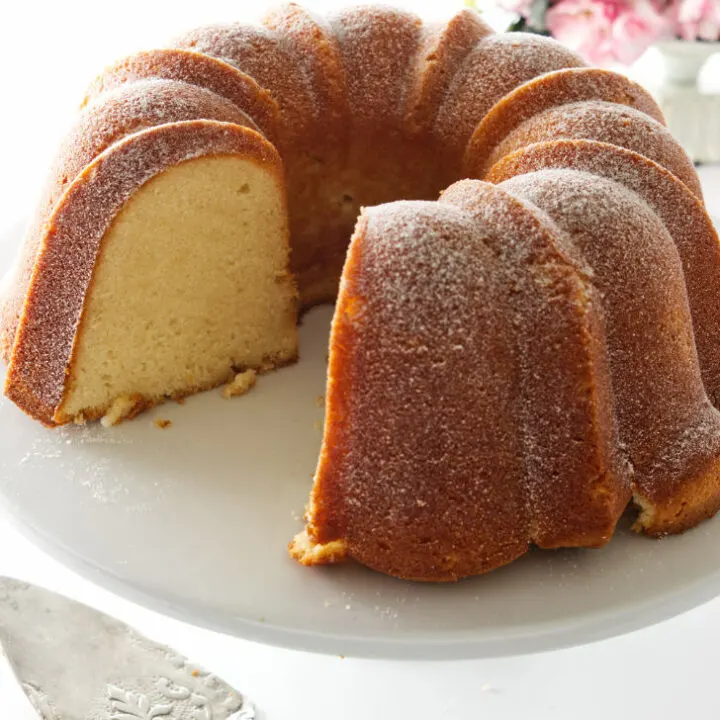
column 548, row 637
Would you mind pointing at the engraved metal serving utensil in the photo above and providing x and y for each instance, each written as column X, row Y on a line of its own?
column 75, row 663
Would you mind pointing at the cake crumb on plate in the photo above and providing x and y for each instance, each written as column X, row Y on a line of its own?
column 124, row 407
column 240, row 384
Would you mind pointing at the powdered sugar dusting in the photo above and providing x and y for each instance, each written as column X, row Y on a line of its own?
column 268, row 58
column 547, row 91
column 378, row 47
column 657, row 387
column 497, row 65
column 131, row 108
column 407, row 433
column 605, row 122
column 98, row 474
column 310, row 39
column 194, row 68
column 682, row 214
column 577, row 480
column 444, row 47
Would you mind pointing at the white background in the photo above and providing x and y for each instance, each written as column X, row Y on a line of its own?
column 48, row 54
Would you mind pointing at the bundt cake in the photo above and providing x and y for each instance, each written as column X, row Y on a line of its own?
column 509, row 365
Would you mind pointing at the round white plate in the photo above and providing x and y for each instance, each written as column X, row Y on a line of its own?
column 194, row 521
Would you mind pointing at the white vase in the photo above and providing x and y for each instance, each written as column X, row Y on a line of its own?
column 693, row 116
column 683, row 60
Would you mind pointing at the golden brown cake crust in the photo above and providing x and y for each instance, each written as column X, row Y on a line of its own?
column 682, row 213
column 43, row 348
column 546, row 91
column 667, row 423
column 316, row 48
column 577, row 491
column 605, row 122
column 495, row 66
column 379, row 46
column 378, row 491
column 261, row 54
column 194, row 68
column 443, row 49
column 313, row 166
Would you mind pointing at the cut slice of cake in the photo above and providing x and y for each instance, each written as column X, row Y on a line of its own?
column 163, row 270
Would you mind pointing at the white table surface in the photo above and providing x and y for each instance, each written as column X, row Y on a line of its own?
column 666, row 671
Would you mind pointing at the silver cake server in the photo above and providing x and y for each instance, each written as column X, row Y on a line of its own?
column 75, row 663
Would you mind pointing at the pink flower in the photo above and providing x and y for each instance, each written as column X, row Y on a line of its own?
column 584, row 26
column 636, row 27
column 607, row 31
column 698, row 19
column 521, row 7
